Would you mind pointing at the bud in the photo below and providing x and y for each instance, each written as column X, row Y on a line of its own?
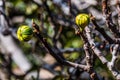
column 24, row 33
column 82, row 20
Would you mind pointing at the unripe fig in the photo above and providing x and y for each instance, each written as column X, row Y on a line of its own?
column 24, row 33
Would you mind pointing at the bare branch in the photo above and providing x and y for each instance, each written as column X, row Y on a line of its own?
column 93, row 46
column 59, row 58
column 90, row 69
column 101, row 30
column 111, row 64
column 108, row 16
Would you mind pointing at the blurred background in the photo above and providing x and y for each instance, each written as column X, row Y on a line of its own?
column 30, row 60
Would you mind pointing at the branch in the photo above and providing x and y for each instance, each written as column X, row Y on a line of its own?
column 108, row 15
column 90, row 70
column 118, row 9
column 60, row 59
column 111, row 64
column 93, row 46
column 70, row 50
column 101, row 30
column 12, row 48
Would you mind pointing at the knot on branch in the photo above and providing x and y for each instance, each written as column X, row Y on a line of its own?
column 93, row 75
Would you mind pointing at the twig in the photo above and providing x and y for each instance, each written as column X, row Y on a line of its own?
column 70, row 7
column 2, row 11
column 87, row 47
column 91, row 71
column 52, row 18
column 55, row 19
column 93, row 46
column 38, row 73
column 57, row 57
column 101, row 30
column 9, row 67
column 118, row 9
column 37, row 2
column 108, row 15
column 111, row 64
column 101, row 46
column 57, row 35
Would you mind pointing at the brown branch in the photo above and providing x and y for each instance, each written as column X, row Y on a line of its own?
column 105, row 8
column 57, row 35
column 59, row 58
column 108, row 15
column 52, row 18
column 101, row 30
column 118, row 9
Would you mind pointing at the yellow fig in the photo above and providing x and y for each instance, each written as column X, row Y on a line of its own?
column 24, row 33
column 82, row 20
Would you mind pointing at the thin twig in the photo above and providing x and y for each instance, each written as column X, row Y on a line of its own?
column 118, row 9
column 108, row 15
column 101, row 30
column 91, row 71
column 57, row 57
column 111, row 64
column 93, row 46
